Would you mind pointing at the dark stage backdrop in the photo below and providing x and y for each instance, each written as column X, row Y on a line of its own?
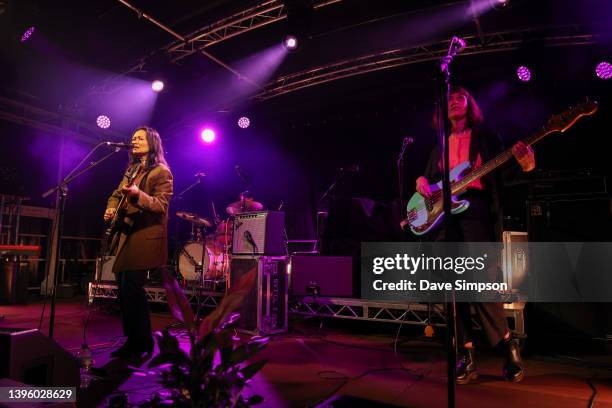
column 296, row 143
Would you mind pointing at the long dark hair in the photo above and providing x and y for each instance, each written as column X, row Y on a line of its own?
column 474, row 114
column 155, row 156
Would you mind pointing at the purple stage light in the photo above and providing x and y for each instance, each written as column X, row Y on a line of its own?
column 604, row 70
column 157, row 85
column 523, row 73
column 244, row 122
column 290, row 42
column 27, row 34
column 103, row 122
column 207, row 135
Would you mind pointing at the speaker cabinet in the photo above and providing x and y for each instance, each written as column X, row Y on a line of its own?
column 28, row 356
column 265, row 308
column 259, row 233
column 331, row 275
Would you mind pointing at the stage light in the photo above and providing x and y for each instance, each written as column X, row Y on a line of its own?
column 499, row 4
column 604, row 70
column 207, row 135
column 157, row 85
column 290, row 42
column 523, row 73
column 244, row 122
column 27, row 34
column 103, row 122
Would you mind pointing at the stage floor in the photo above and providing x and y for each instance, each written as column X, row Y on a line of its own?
column 354, row 363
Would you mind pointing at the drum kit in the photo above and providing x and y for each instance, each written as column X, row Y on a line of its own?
column 204, row 259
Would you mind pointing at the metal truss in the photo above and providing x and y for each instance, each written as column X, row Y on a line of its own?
column 195, row 295
column 25, row 114
column 476, row 44
column 407, row 313
column 261, row 15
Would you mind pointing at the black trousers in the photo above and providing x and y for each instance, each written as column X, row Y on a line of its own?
column 476, row 225
column 134, row 307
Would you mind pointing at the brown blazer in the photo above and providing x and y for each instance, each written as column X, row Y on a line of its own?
column 145, row 244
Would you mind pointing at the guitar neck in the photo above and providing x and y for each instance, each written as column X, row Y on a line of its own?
column 494, row 163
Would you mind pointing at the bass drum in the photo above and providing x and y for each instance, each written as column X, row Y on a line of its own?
column 190, row 262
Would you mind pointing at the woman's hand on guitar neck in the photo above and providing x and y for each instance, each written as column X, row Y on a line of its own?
column 422, row 187
column 109, row 214
column 524, row 156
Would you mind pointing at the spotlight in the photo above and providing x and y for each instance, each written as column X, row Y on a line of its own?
column 244, row 122
column 604, row 70
column 103, row 122
column 27, row 34
column 207, row 135
column 290, row 42
column 523, row 73
column 157, row 85
column 499, row 4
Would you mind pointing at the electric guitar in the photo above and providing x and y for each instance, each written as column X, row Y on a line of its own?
column 424, row 214
column 114, row 223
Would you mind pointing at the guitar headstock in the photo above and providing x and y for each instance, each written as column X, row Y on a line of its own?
column 565, row 120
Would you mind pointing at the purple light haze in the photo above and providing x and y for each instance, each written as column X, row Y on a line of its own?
column 27, row 34
column 207, row 135
column 244, row 122
column 157, row 86
column 604, row 70
column 103, row 122
column 523, row 73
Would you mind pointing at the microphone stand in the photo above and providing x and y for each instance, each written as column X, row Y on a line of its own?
column 443, row 127
column 62, row 190
column 400, row 170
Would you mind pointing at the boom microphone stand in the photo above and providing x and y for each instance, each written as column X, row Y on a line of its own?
column 456, row 46
column 62, row 190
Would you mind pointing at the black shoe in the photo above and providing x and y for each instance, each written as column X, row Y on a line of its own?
column 466, row 368
column 513, row 365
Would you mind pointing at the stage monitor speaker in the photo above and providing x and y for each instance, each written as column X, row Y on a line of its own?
column 332, row 276
column 264, row 310
column 259, row 233
column 28, row 356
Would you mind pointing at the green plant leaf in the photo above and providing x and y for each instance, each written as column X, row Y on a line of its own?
column 232, row 300
column 249, row 371
column 179, row 306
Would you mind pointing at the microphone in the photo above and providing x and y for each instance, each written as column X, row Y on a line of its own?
column 240, row 173
column 200, row 174
column 353, row 168
column 408, row 140
column 120, row 145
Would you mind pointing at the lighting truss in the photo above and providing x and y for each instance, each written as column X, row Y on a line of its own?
column 263, row 14
column 196, row 296
column 488, row 43
column 54, row 122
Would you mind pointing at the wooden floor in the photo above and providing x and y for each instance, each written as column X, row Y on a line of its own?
column 344, row 364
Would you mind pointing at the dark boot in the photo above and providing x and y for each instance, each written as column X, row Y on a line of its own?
column 466, row 368
column 513, row 365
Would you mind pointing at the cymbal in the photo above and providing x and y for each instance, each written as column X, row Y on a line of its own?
column 243, row 206
column 193, row 218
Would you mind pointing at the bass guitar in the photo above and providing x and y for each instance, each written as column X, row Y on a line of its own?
column 424, row 214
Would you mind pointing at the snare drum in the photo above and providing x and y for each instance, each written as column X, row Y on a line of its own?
column 191, row 263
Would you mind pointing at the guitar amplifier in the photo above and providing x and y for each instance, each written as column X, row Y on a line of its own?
column 265, row 309
column 259, row 233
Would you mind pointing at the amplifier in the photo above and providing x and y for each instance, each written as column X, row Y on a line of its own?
column 515, row 260
column 329, row 275
column 264, row 310
column 259, row 233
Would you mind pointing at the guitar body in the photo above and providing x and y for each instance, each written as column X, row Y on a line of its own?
column 425, row 215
